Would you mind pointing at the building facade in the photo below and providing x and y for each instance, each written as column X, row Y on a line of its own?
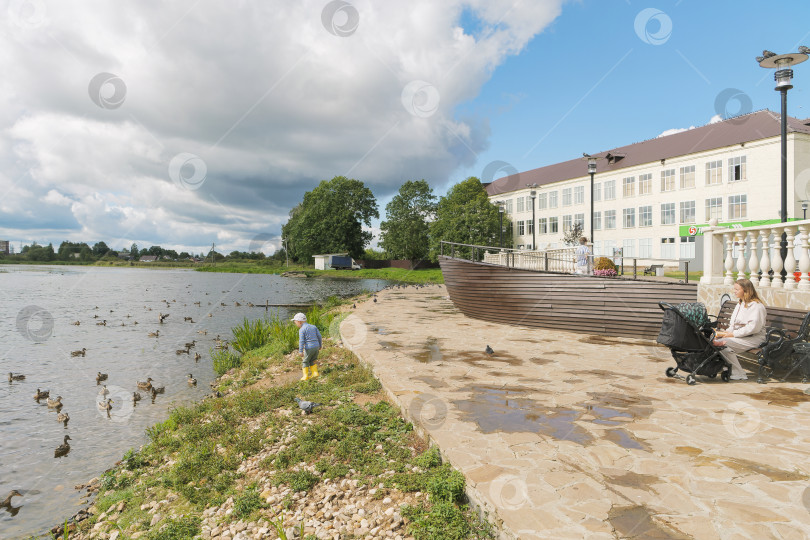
column 652, row 198
column 5, row 247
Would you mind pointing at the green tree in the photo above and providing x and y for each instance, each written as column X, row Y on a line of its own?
column 133, row 252
column 100, row 249
column 465, row 215
column 405, row 233
column 330, row 220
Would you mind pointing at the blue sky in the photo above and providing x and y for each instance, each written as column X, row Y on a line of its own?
column 185, row 123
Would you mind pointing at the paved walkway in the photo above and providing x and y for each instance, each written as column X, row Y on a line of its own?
column 563, row 435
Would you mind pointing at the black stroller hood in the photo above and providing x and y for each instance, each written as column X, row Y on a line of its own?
column 678, row 332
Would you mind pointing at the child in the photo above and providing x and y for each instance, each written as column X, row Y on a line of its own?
column 309, row 343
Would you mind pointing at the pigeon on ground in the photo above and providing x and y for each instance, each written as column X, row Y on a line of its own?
column 307, row 406
column 489, row 350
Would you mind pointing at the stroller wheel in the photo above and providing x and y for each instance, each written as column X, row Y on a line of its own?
column 690, row 379
column 726, row 376
column 671, row 371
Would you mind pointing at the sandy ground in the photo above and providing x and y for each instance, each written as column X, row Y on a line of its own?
column 562, row 435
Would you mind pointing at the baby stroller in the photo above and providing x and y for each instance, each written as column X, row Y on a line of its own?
column 688, row 332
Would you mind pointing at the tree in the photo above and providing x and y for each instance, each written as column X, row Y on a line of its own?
column 405, row 233
column 100, row 249
column 330, row 220
column 465, row 215
column 571, row 238
column 133, row 252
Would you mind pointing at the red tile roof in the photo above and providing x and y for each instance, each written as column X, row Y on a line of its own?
column 740, row 129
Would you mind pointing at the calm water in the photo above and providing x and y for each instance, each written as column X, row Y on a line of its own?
column 38, row 305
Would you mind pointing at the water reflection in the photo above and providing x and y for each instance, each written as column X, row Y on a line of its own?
column 66, row 328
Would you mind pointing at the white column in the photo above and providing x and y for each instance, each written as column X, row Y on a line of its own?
column 753, row 260
column 804, row 259
column 776, row 257
column 740, row 237
column 729, row 279
column 765, row 262
column 790, row 260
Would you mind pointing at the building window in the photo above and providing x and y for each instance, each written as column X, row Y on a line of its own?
column 597, row 192
column 529, row 226
column 737, row 206
column 579, row 195
column 628, row 218
column 688, row 212
column 736, row 169
column 509, row 206
column 667, row 248
column 714, row 208
column 542, row 201
column 520, row 204
column 714, row 173
column 687, row 247
column 668, row 213
column 597, row 221
column 552, row 199
column 645, row 184
column 610, row 190
column 629, row 187
column 579, row 218
column 645, row 216
column 552, row 225
column 668, row 180
column 688, row 177
column 566, row 197
column 645, row 248
column 610, row 219
column 567, row 223
column 521, row 228
column 629, row 247
column 543, row 226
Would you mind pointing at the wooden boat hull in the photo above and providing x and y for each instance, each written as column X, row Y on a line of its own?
column 587, row 304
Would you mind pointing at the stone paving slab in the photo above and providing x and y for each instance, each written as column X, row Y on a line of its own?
column 565, row 435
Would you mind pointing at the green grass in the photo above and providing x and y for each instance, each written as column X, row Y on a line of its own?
column 429, row 275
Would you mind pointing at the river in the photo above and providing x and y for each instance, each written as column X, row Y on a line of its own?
column 38, row 308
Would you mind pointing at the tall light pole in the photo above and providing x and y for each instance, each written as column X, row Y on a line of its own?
column 783, row 76
column 591, row 171
column 500, row 213
column 533, row 194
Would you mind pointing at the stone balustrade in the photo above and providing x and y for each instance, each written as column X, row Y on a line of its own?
column 551, row 260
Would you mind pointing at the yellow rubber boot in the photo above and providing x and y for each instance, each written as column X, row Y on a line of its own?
column 313, row 371
column 305, row 370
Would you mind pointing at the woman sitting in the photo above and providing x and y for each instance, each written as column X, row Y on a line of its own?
column 746, row 328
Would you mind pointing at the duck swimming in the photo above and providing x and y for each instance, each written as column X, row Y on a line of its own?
column 101, row 377
column 145, row 385
column 154, row 334
column 135, row 397
column 63, row 417
column 6, row 503
column 79, row 353
column 41, row 394
column 12, row 377
column 62, row 449
column 103, row 391
column 55, row 403
column 105, row 405
column 191, row 380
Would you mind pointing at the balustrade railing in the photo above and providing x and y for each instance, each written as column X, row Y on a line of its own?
column 756, row 253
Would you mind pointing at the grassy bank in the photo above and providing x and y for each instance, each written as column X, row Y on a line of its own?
column 430, row 275
column 252, row 463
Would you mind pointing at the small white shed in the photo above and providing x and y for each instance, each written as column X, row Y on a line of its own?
column 322, row 262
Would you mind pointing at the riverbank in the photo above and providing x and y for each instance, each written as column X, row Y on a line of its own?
column 252, row 464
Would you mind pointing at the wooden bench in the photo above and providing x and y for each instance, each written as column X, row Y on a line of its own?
column 785, row 328
column 650, row 270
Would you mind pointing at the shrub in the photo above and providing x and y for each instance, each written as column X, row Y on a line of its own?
column 603, row 263
column 224, row 360
column 605, row 273
column 251, row 335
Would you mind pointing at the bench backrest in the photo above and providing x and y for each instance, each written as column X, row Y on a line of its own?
column 795, row 321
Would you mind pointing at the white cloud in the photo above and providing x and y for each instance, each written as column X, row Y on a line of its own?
column 713, row 120
column 268, row 99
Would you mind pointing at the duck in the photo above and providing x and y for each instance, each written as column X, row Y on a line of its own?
column 101, row 377
column 103, row 391
column 162, row 317
column 63, row 448
column 191, row 380
column 145, row 385
column 102, row 323
column 250, row 304
column 6, row 503
column 12, row 377
column 63, row 417
column 188, row 319
column 105, row 405
column 41, row 394
column 181, row 351
column 55, row 403
column 158, row 390
column 192, row 344
column 79, row 353
column 203, row 332
column 237, row 304
column 76, row 323
column 197, row 357
column 154, row 334
column 135, row 397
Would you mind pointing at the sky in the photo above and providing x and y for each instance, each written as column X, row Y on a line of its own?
column 193, row 122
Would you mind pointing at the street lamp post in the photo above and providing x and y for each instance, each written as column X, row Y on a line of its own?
column 804, row 209
column 533, row 194
column 591, row 171
column 500, row 213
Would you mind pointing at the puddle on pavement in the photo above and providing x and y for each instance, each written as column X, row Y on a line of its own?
column 634, row 480
column 478, row 359
column 688, row 450
column 612, row 404
column 601, row 340
column 638, row 522
column 431, row 351
column 554, row 352
column 573, row 381
column 777, row 475
column 505, row 410
column 625, row 439
column 389, row 344
column 788, row 397
column 540, row 361
column 497, row 373
column 431, row 381
column 658, row 359
column 601, row 372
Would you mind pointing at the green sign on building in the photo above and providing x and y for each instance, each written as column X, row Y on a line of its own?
column 697, row 230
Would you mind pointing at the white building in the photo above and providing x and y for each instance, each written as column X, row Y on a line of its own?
column 652, row 198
